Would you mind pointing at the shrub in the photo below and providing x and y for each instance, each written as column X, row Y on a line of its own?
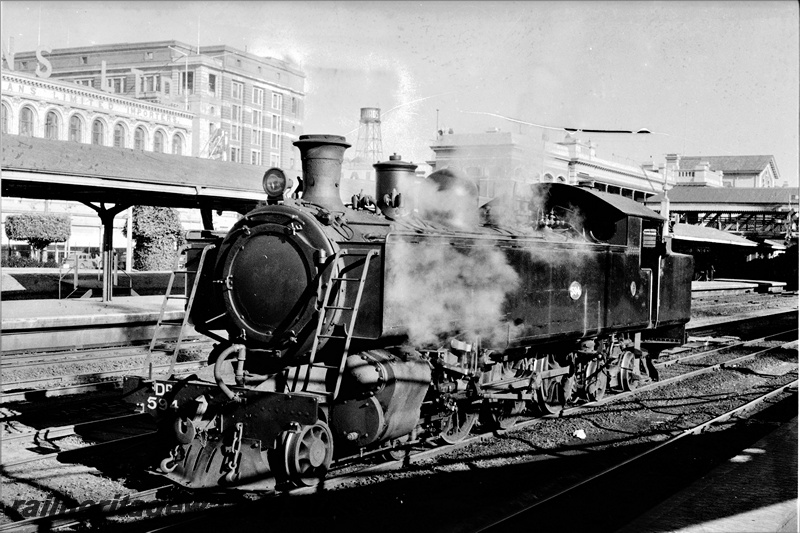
column 39, row 229
column 16, row 261
column 157, row 232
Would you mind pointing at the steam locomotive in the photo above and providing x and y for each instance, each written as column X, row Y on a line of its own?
column 409, row 316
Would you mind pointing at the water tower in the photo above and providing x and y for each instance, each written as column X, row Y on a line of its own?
column 369, row 147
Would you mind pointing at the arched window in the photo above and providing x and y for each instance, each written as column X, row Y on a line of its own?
column 5, row 118
column 51, row 126
column 75, row 128
column 158, row 142
column 177, row 145
column 138, row 139
column 119, row 136
column 548, row 177
column 98, row 132
column 26, row 121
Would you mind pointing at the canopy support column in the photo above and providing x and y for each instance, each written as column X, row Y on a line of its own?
column 107, row 219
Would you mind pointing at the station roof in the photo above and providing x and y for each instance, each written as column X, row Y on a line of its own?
column 729, row 198
column 729, row 164
column 691, row 232
column 46, row 169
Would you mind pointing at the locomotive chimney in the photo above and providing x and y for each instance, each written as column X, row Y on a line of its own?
column 394, row 181
column 322, row 157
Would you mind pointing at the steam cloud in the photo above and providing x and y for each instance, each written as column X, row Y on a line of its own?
column 436, row 290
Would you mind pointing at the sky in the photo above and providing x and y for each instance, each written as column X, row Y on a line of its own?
column 704, row 77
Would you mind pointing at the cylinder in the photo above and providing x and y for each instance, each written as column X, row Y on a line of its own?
column 370, row 114
column 322, row 157
column 394, row 183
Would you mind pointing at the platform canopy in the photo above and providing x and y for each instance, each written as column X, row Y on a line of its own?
column 101, row 175
column 45, row 169
column 690, row 232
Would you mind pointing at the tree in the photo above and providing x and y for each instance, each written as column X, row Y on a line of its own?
column 157, row 233
column 39, row 229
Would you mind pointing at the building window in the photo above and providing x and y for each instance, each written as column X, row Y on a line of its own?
column 150, row 84
column 177, row 144
column 236, row 113
column 258, row 96
column 5, row 118
column 51, row 126
column 276, row 122
column 255, row 157
column 212, row 84
column 116, row 85
column 158, row 142
column 238, row 62
column 235, row 154
column 274, row 160
column 236, row 132
column 294, row 106
column 26, row 121
column 148, row 55
column 119, row 136
column 237, row 90
column 256, row 137
column 97, row 132
column 75, row 128
column 86, row 82
column 187, row 83
column 277, row 101
column 84, row 60
column 274, row 141
column 138, row 138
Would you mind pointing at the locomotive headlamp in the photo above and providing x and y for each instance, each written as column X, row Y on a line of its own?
column 575, row 290
column 274, row 183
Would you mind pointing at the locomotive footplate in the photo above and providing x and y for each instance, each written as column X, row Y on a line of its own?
column 218, row 441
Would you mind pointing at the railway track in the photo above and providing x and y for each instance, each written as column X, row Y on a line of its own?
column 418, row 455
column 40, row 388
column 588, row 489
column 587, row 483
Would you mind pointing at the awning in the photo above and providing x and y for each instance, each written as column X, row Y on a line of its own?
column 775, row 245
column 689, row 232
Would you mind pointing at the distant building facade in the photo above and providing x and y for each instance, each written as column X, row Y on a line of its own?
column 739, row 171
column 221, row 104
column 246, row 108
column 497, row 160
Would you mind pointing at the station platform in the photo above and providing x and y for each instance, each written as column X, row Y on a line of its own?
column 755, row 491
column 720, row 288
column 85, row 322
column 29, row 314
column 763, row 285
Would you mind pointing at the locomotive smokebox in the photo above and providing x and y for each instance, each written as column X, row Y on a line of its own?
column 322, row 157
column 394, row 181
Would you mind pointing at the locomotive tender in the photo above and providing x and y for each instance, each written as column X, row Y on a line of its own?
column 344, row 331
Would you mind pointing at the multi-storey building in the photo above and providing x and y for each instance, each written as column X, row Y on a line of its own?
column 247, row 109
column 165, row 97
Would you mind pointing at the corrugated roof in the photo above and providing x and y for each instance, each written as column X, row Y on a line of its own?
column 689, row 232
column 727, row 195
column 64, row 157
column 76, row 171
column 728, row 164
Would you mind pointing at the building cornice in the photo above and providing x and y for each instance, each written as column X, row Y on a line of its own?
column 86, row 92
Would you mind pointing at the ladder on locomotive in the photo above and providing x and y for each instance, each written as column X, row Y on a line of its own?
column 324, row 316
column 189, row 298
